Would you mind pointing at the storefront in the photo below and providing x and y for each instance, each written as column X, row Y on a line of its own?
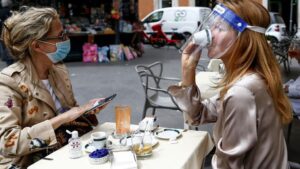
column 101, row 22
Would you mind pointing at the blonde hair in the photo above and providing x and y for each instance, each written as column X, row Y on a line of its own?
column 23, row 27
column 251, row 52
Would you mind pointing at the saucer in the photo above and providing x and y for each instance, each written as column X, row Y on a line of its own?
column 167, row 134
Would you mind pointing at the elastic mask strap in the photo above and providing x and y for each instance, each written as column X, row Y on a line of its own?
column 234, row 20
column 256, row 29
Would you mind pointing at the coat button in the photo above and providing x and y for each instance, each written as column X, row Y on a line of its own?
column 44, row 114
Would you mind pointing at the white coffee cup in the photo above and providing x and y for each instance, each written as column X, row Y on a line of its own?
column 202, row 38
column 98, row 139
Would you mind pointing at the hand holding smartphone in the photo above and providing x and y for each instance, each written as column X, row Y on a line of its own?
column 101, row 103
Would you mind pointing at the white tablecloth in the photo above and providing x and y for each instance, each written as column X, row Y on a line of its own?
column 188, row 153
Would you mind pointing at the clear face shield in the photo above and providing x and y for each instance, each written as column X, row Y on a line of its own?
column 217, row 33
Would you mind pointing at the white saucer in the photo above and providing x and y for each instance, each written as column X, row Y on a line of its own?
column 167, row 133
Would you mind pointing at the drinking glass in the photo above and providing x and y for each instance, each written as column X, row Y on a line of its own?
column 142, row 144
column 123, row 113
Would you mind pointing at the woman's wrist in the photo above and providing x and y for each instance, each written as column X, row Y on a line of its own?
column 185, row 84
column 57, row 121
column 188, row 77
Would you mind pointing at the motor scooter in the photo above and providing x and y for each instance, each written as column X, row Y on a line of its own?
column 159, row 38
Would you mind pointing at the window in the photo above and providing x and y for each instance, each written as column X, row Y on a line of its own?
column 155, row 17
column 166, row 3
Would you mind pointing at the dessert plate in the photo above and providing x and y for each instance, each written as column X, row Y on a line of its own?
column 167, row 133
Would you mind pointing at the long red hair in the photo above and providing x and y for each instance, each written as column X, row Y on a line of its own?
column 252, row 53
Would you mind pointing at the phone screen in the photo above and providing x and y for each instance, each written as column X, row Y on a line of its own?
column 102, row 102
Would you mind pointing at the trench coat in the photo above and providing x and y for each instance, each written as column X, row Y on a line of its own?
column 26, row 134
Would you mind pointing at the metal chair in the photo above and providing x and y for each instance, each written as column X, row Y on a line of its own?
column 152, row 81
column 280, row 50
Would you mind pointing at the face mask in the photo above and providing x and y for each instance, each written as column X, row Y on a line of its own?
column 62, row 50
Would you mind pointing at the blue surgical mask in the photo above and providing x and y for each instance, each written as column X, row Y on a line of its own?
column 62, row 50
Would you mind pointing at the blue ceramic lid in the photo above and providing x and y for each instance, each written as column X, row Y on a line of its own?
column 99, row 153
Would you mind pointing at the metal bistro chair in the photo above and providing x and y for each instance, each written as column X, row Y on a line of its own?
column 152, row 81
column 280, row 50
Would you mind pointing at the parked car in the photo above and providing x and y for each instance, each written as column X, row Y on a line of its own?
column 176, row 19
column 276, row 32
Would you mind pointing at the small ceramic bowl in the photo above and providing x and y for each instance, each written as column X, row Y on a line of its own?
column 98, row 156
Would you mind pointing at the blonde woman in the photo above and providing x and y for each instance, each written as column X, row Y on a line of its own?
column 251, row 108
column 37, row 103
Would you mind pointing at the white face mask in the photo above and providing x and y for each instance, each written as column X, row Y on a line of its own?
column 62, row 50
column 218, row 33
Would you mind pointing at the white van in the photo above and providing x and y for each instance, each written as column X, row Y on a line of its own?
column 176, row 19
column 276, row 31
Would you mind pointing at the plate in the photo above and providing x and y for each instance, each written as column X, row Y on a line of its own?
column 167, row 133
column 129, row 141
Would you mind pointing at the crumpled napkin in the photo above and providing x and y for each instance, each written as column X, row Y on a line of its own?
column 147, row 123
column 124, row 160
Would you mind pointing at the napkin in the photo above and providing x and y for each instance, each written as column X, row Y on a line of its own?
column 124, row 160
column 147, row 123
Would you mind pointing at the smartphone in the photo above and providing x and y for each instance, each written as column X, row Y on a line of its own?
column 102, row 103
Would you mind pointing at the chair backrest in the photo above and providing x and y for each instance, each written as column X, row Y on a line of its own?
column 153, row 82
column 150, row 74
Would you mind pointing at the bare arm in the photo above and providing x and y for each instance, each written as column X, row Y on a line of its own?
column 189, row 61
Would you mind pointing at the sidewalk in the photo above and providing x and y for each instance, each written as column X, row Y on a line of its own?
column 101, row 80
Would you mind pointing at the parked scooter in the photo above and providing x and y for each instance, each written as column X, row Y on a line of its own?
column 159, row 39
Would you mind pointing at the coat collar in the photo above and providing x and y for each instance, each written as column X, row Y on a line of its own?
column 38, row 88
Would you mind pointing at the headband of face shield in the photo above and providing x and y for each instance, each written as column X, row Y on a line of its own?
column 217, row 33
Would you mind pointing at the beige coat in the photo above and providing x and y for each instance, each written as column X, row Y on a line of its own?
column 248, row 131
column 25, row 109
